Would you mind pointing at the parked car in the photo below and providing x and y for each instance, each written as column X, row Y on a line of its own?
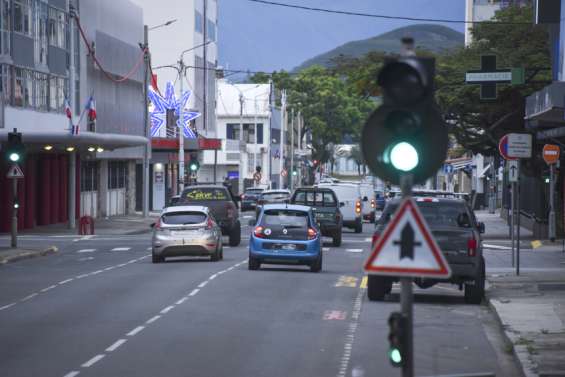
column 325, row 207
column 458, row 235
column 249, row 198
column 286, row 234
column 369, row 202
column 175, row 199
column 351, row 206
column 186, row 231
column 271, row 197
column 220, row 203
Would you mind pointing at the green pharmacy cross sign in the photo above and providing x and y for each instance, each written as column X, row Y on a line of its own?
column 488, row 76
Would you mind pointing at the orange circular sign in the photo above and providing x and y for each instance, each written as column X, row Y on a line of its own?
column 551, row 153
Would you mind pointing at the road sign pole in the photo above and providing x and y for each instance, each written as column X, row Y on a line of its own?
column 518, row 222
column 552, row 202
column 512, row 216
column 406, row 296
column 14, row 242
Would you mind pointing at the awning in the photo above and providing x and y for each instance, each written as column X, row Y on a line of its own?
column 82, row 141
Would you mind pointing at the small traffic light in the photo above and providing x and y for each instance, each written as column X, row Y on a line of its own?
column 294, row 173
column 407, row 134
column 258, row 169
column 16, row 203
column 15, row 149
column 397, row 338
column 194, row 166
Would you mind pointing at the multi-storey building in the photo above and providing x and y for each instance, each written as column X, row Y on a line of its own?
column 44, row 63
column 484, row 10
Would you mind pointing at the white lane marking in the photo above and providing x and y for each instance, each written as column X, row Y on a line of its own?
column 29, row 297
column 86, row 251
column 213, row 277
column 355, row 241
column 74, row 373
column 350, row 337
column 153, row 319
column 66, row 281
column 325, row 249
column 368, row 239
column 135, row 331
column 194, row 291
column 231, row 268
column 227, row 247
column 85, row 259
column 149, row 248
column 109, row 268
column 181, row 300
column 496, row 247
column 167, row 309
column 7, row 306
column 93, row 361
column 122, row 264
column 81, row 276
column 354, row 250
column 96, row 272
column 47, row 289
column 121, row 249
column 203, row 284
column 115, row 346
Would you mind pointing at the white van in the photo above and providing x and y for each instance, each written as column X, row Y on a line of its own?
column 349, row 196
column 369, row 201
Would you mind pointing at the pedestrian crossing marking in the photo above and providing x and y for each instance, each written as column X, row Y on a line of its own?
column 121, row 249
column 347, row 281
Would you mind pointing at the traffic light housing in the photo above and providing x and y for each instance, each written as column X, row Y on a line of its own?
column 194, row 165
column 397, row 338
column 406, row 134
column 14, row 148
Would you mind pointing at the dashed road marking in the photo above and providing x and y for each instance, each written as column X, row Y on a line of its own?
column 496, row 247
column 29, row 297
column 93, row 361
column 203, row 284
column 74, row 373
column 47, row 289
column 354, row 250
column 85, row 259
column 347, row 281
column 135, row 331
column 86, row 251
column 194, row 292
column 66, row 281
column 350, row 337
column 153, row 319
column 7, row 306
column 167, row 309
column 115, row 346
column 213, row 277
column 121, row 249
column 181, row 300
column 325, row 249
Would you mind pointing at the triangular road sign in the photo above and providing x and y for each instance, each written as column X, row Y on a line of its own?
column 15, row 172
column 407, row 247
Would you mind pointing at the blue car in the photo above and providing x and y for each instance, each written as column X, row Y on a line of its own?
column 286, row 234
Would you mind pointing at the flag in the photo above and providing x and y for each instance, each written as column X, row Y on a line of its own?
column 74, row 130
column 68, row 110
column 91, row 106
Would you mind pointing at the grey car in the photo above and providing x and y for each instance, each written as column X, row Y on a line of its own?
column 186, row 231
column 458, row 235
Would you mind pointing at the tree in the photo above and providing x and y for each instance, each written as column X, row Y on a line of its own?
column 357, row 157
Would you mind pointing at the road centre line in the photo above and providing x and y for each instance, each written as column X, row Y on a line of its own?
column 86, row 251
column 350, row 337
column 138, row 329
column 354, row 250
column 77, row 277
column 74, row 373
column 121, row 249
column 203, row 284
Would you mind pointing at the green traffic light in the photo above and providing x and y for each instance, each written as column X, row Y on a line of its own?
column 395, row 355
column 295, row 173
column 403, row 156
column 193, row 167
column 14, row 157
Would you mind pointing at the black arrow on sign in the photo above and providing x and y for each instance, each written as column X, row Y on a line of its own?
column 407, row 242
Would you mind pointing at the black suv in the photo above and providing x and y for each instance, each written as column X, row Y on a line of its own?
column 325, row 206
column 458, row 235
column 222, row 205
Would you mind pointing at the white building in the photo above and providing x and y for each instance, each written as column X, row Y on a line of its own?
column 237, row 104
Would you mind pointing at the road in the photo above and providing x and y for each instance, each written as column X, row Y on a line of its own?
column 101, row 308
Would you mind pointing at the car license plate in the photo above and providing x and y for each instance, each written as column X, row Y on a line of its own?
column 289, row 246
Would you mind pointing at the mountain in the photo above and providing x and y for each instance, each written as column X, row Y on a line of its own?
column 434, row 38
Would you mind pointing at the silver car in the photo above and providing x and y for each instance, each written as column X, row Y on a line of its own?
column 186, row 231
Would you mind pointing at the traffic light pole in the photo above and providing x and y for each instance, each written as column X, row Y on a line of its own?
column 14, row 242
column 406, row 295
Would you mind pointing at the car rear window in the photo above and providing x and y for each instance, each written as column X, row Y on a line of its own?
column 285, row 217
column 205, row 194
column 183, row 218
column 346, row 192
column 315, row 198
column 253, row 191
column 435, row 213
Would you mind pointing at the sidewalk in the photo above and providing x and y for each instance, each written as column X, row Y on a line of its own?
column 530, row 307
column 496, row 228
column 9, row 255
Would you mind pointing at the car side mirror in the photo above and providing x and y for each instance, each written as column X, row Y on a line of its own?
column 341, row 204
column 481, row 227
column 463, row 220
column 365, row 199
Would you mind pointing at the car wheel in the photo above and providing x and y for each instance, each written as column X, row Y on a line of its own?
column 215, row 256
column 474, row 293
column 253, row 264
column 337, row 239
column 221, row 251
column 377, row 287
column 316, row 266
column 359, row 226
column 235, row 235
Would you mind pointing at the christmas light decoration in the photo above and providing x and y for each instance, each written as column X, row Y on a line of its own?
column 161, row 104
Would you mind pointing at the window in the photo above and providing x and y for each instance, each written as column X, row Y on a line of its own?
column 22, row 17
column 198, row 22
column 41, row 91
column 88, row 176
column 57, row 89
column 5, row 27
column 117, row 174
column 232, row 131
column 57, row 28
column 5, row 83
column 211, row 31
column 183, row 218
column 41, row 21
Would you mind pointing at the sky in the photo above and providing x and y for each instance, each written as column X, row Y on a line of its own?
column 265, row 38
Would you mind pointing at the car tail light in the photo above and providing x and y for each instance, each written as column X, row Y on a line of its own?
column 258, row 232
column 471, row 247
column 242, row 196
column 358, row 207
column 375, row 238
column 312, row 234
column 209, row 224
column 158, row 225
column 373, row 203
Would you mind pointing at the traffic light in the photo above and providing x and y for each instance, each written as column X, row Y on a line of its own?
column 194, row 165
column 258, row 169
column 397, row 338
column 14, row 149
column 406, row 134
column 294, row 173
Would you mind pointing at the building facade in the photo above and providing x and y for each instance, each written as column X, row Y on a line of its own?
column 484, row 10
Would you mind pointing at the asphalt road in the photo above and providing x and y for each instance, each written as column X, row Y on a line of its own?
column 101, row 308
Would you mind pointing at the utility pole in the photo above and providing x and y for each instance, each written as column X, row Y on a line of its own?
column 255, row 141
column 283, row 120
column 72, row 155
column 552, row 232
column 291, row 175
column 147, row 152
column 181, row 131
column 270, row 134
column 241, row 146
column 205, row 69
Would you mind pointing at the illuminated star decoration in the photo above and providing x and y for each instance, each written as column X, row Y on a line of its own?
column 169, row 102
